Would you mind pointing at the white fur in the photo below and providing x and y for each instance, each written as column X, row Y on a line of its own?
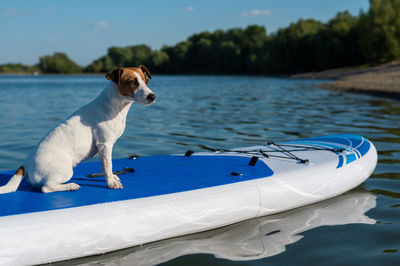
column 143, row 91
column 92, row 129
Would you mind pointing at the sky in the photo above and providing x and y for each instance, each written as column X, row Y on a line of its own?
column 84, row 29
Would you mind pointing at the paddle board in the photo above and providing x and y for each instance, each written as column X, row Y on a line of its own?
column 173, row 195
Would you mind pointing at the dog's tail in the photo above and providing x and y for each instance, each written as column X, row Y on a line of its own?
column 14, row 182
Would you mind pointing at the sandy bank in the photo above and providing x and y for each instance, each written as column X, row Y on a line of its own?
column 383, row 80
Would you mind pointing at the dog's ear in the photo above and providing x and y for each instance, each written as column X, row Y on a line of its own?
column 115, row 75
column 145, row 70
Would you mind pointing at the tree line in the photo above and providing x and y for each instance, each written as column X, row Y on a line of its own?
column 372, row 37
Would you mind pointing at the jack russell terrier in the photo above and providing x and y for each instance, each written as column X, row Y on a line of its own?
column 92, row 129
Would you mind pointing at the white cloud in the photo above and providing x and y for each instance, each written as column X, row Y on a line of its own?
column 266, row 12
column 190, row 9
column 9, row 12
column 48, row 10
column 257, row 12
column 100, row 25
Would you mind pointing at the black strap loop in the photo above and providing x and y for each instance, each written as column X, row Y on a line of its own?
column 189, row 153
column 253, row 161
column 123, row 171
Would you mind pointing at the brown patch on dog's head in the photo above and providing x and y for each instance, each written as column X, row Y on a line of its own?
column 115, row 75
column 145, row 71
column 126, row 79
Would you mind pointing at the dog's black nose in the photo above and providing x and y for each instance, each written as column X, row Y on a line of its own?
column 151, row 97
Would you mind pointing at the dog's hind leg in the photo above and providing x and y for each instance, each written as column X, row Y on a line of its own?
column 59, row 187
column 58, row 175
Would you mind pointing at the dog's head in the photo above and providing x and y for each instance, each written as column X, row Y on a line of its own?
column 132, row 82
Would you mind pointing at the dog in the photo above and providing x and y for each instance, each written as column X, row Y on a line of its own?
column 92, row 129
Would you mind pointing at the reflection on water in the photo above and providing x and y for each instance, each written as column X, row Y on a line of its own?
column 203, row 112
column 250, row 240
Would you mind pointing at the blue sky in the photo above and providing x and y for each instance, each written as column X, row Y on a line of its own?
column 84, row 29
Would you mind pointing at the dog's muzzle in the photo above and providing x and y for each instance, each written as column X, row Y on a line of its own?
column 151, row 98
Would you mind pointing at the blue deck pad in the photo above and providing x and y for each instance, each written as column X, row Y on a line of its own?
column 154, row 176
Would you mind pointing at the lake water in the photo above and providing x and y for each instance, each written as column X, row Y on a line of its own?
column 361, row 227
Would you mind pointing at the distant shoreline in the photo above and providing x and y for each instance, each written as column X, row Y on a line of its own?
column 382, row 81
column 47, row 74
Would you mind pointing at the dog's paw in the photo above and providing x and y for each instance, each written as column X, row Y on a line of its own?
column 116, row 178
column 73, row 186
column 114, row 182
column 59, row 187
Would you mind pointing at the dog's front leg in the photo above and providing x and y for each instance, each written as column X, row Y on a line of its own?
column 105, row 153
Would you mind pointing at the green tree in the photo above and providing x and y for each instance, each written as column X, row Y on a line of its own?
column 307, row 45
column 103, row 64
column 380, row 31
column 127, row 56
column 58, row 63
column 292, row 49
column 253, row 49
column 18, row 68
column 336, row 42
column 158, row 61
column 178, row 57
column 120, row 56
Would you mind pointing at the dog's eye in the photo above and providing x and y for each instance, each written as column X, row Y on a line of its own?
column 135, row 82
